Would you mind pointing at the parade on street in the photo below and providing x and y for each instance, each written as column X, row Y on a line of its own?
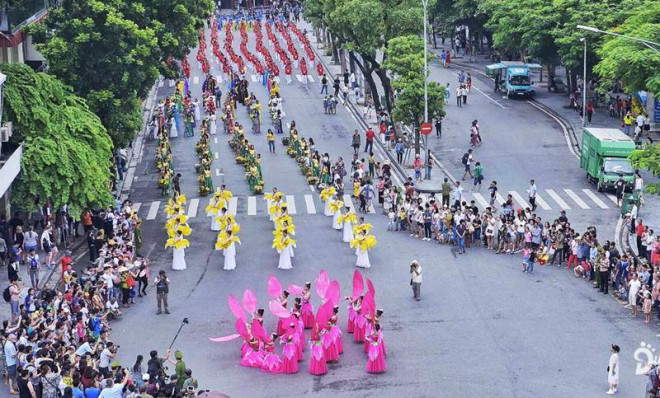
column 245, row 198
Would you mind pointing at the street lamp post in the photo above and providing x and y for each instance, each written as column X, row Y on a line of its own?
column 650, row 44
column 584, row 84
column 427, row 175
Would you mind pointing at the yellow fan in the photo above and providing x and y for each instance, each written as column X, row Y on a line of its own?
column 181, row 199
column 336, row 205
column 359, row 228
column 328, row 193
column 348, row 217
column 177, row 244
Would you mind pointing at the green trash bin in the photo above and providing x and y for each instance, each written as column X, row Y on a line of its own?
column 626, row 205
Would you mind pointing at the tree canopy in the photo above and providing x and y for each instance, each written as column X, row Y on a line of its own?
column 66, row 150
column 111, row 52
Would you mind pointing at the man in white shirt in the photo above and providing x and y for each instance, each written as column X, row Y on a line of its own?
column 112, row 389
column 416, row 279
column 458, row 195
column 640, row 122
column 104, row 360
column 532, row 194
column 113, row 307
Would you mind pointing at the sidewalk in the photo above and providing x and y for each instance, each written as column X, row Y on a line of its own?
column 370, row 119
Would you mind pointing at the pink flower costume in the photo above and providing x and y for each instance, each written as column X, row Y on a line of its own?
column 272, row 362
column 360, row 324
column 376, row 362
column 317, row 363
column 329, row 347
column 335, row 332
column 253, row 358
column 307, row 310
column 351, row 319
column 290, row 357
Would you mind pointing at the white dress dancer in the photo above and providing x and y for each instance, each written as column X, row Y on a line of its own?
column 198, row 112
column 178, row 257
column 326, row 210
column 335, row 220
column 230, row 257
column 348, row 232
column 173, row 131
column 363, row 258
column 212, row 125
column 285, row 258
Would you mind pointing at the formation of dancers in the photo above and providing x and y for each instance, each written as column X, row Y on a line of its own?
column 355, row 232
column 225, row 224
column 259, row 348
column 177, row 229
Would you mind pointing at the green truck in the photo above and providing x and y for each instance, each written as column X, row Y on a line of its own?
column 605, row 156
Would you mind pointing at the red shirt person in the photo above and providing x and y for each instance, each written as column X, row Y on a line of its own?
column 369, row 144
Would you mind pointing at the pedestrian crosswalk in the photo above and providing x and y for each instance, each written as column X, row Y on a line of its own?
column 549, row 199
column 307, row 204
column 250, row 206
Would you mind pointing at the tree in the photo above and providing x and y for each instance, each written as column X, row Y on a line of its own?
column 635, row 64
column 648, row 158
column 405, row 60
column 175, row 24
column 365, row 27
column 66, row 150
column 106, row 58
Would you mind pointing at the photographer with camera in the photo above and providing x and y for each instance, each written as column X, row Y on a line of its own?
column 162, row 284
column 416, row 279
column 107, row 355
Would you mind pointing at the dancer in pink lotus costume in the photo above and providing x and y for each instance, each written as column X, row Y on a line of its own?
column 376, row 362
column 317, row 362
column 360, row 322
column 335, row 332
column 307, row 309
column 290, row 351
column 281, row 326
column 272, row 362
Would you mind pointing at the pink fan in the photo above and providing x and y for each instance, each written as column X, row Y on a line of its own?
column 278, row 310
column 333, row 292
column 370, row 287
column 235, row 307
column 324, row 313
column 368, row 305
column 258, row 331
column 225, row 338
column 295, row 289
column 249, row 301
column 241, row 328
column 322, row 283
column 274, row 287
column 358, row 285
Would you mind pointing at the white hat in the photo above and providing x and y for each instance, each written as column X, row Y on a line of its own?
column 145, row 376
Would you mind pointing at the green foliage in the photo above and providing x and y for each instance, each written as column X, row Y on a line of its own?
column 405, row 59
column 634, row 63
column 648, row 158
column 66, row 149
column 112, row 51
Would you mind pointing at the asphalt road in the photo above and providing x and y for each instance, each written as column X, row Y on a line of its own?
column 482, row 327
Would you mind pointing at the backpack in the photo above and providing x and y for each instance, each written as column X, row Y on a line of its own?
column 464, row 160
column 6, row 295
column 34, row 264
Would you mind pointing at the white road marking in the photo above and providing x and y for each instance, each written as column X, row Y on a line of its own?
column 312, row 188
column 216, row 155
column 192, row 209
column 558, row 199
column 215, row 140
column 291, row 204
column 539, row 201
column 612, row 198
column 233, row 205
column 218, row 79
column 195, row 79
column 254, row 78
column 217, row 172
column 153, row 210
column 480, row 199
column 519, row 199
column 309, row 203
column 499, row 199
column 595, row 198
column 348, row 202
column 252, row 206
column 170, row 83
column 576, row 199
column 310, row 78
column 488, row 96
column 299, row 78
column 136, row 207
column 563, row 128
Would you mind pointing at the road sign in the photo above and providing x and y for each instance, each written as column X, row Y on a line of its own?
column 426, row 128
